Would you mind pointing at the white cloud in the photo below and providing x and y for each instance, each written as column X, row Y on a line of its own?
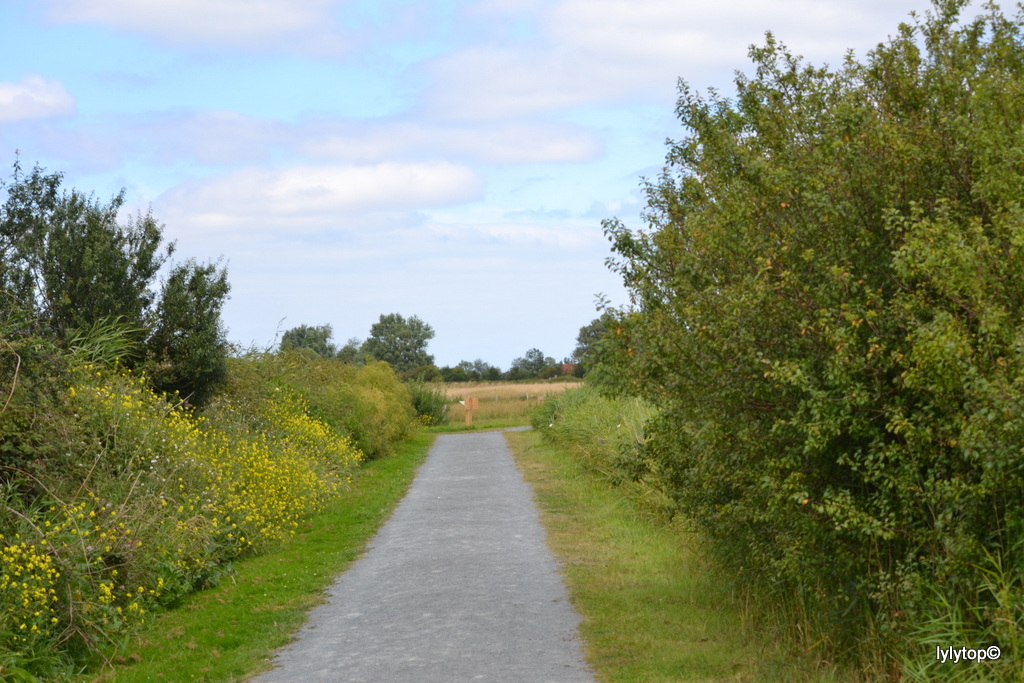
column 210, row 137
column 216, row 138
column 314, row 198
column 609, row 50
column 517, row 234
column 306, row 25
column 525, row 142
column 34, row 98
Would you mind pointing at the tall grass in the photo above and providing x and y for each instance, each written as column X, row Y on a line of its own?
column 605, row 435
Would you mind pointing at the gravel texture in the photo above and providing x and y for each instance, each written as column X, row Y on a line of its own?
column 458, row 585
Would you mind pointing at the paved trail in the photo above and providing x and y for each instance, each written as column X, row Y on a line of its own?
column 458, row 586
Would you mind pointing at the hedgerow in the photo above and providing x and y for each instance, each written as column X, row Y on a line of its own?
column 827, row 307
column 146, row 502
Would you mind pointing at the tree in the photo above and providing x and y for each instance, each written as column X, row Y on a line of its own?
column 352, row 352
column 70, row 271
column 400, row 342
column 588, row 336
column 316, row 338
column 188, row 347
column 532, row 363
column 66, row 257
column 829, row 296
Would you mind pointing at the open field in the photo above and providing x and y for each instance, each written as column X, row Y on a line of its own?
column 502, row 404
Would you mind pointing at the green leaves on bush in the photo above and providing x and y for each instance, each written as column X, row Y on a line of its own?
column 828, row 306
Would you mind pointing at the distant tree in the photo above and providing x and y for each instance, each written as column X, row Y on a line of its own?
column 400, row 342
column 469, row 369
column 453, row 374
column 425, row 373
column 530, row 365
column 316, row 338
column 352, row 352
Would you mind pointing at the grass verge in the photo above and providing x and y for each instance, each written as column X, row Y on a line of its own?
column 652, row 611
column 228, row 632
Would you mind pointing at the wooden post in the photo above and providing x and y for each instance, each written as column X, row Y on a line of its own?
column 471, row 404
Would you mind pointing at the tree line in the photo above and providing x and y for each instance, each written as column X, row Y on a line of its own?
column 402, row 343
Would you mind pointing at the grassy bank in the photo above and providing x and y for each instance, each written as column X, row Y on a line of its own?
column 652, row 609
column 227, row 633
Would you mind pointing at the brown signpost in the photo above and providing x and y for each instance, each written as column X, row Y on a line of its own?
column 471, row 404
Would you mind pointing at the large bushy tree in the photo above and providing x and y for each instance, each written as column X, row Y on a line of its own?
column 401, row 342
column 67, row 259
column 829, row 311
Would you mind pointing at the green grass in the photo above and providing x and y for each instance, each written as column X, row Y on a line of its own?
column 485, row 426
column 652, row 611
column 228, row 633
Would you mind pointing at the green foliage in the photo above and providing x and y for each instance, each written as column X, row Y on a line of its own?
column 367, row 402
column 605, row 435
column 188, row 348
column 533, row 364
column 69, row 268
column 145, row 503
column 400, row 342
column 586, row 340
column 430, row 403
column 827, row 312
column 66, row 256
column 316, row 338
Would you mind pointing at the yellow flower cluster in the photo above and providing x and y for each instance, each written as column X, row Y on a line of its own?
column 258, row 488
column 152, row 501
column 237, row 486
column 27, row 594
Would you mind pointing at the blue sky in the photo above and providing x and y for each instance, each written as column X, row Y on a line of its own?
column 349, row 158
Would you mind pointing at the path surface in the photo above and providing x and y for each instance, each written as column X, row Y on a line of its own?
column 458, row 586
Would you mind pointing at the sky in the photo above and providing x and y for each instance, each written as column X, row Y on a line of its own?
column 449, row 159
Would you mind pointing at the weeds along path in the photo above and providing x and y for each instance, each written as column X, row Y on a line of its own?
column 458, row 586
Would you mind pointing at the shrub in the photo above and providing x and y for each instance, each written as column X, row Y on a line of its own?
column 607, row 435
column 430, row 403
column 828, row 311
column 369, row 403
column 147, row 502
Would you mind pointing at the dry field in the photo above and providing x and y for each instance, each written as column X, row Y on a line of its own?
column 502, row 404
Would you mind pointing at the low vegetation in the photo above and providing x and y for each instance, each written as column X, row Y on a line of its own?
column 225, row 633
column 133, row 501
column 500, row 404
column 653, row 608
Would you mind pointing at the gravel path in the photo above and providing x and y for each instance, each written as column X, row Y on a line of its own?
column 458, row 586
